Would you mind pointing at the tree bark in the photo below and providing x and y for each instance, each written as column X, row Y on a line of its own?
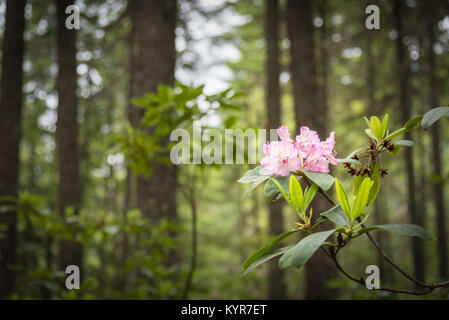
column 379, row 215
column 276, row 282
column 437, row 184
column 309, row 112
column 69, row 188
column 324, row 54
column 153, row 57
column 10, row 131
column 419, row 266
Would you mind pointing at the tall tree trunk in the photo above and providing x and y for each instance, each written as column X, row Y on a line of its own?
column 69, row 188
column 405, row 105
column 324, row 54
column 436, row 152
column 153, row 57
column 309, row 112
column 10, row 122
column 372, row 110
column 191, row 195
column 276, row 284
column 128, row 203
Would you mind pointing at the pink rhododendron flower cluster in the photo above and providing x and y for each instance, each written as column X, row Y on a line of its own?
column 307, row 151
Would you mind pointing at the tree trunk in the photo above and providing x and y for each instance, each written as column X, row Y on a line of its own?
column 276, row 284
column 309, row 112
column 436, row 153
column 10, row 122
column 372, row 110
column 405, row 105
column 324, row 54
column 69, row 189
column 153, row 57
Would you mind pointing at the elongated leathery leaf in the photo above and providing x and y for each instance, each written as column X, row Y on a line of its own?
column 296, row 193
column 256, row 176
column 272, row 192
column 284, row 193
column 266, row 249
column 304, row 249
column 342, row 198
column 361, row 199
column 265, row 258
column 323, row 180
column 334, row 214
column 434, row 115
column 410, row 230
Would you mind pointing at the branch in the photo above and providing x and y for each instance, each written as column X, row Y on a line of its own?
column 430, row 287
column 405, row 274
column 389, row 260
column 361, row 281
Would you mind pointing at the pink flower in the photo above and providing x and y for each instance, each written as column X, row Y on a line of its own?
column 281, row 157
column 315, row 160
column 307, row 140
column 319, row 154
column 328, row 149
column 283, row 134
column 306, row 152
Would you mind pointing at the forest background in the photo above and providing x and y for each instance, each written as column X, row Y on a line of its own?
column 79, row 184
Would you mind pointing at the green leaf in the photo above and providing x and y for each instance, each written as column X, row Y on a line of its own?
column 368, row 124
column 434, row 115
column 410, row 230
column 396, row 133
column 323, row 180
column 355, row 152
column 375, row 178
column 296, row 193
column 304, row 249
column 255, row 184
column 141, row 102
column 253, row 175
column 370, row 134
column 361, row 199
column 284, row 193
column 272, row 192
column 349, row 160
column 342, row 198
column 309, row 195
column 384, row 125
column 230, row 121
column 376, row 127
column 357, row 182
column 376, row 183
column 404, row 143
column 336, row 215
column 264, row 259
column 406, row 128
column 256, row 176
column 412, row 123
column 266, row 249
